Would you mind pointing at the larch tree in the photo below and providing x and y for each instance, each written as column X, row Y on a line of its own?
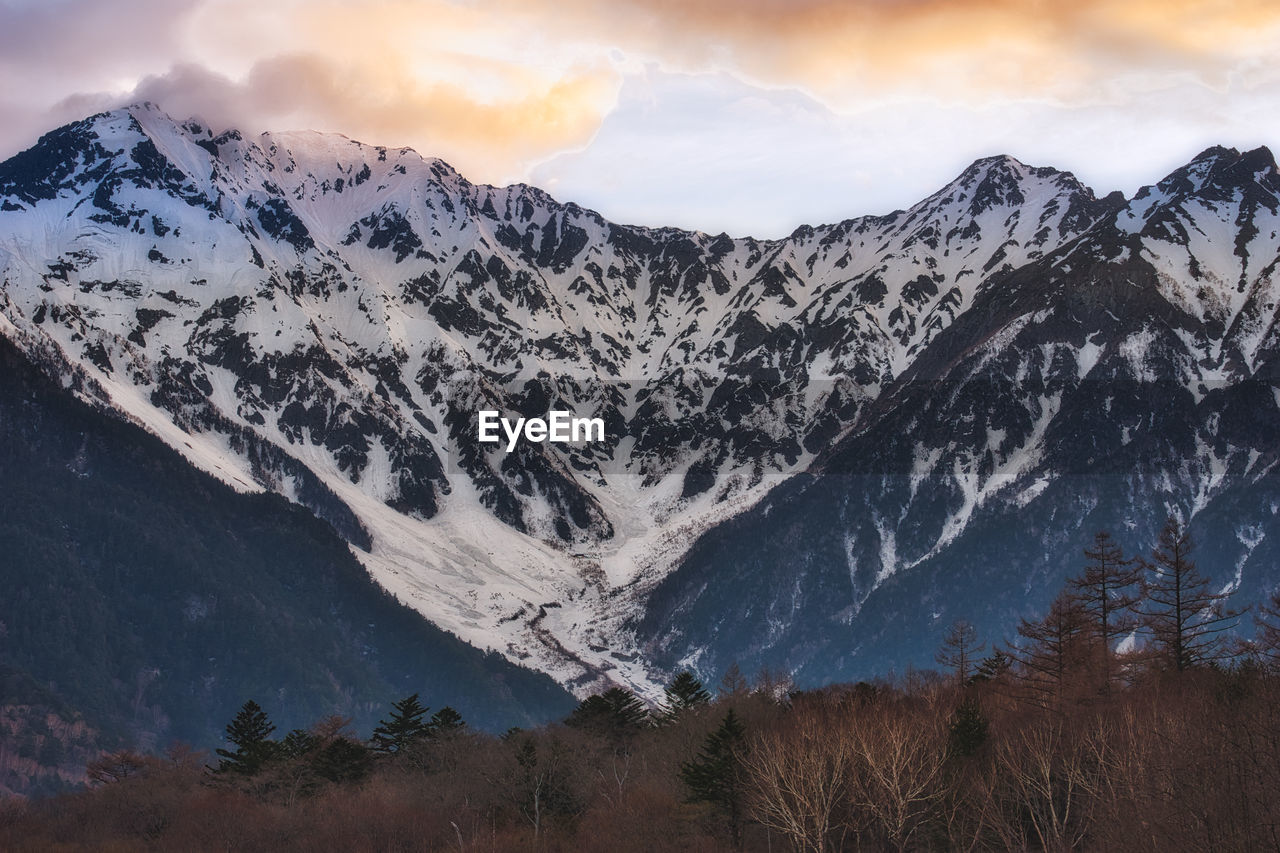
column 959, row 649
column 1185, row 618
column 1267, row 621
column 1056, row 651
column 1107, row 590
column 733, row 682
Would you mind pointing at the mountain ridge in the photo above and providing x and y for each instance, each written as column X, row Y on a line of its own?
column 306, row 322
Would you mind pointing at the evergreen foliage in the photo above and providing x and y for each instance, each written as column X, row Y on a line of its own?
column 968, row 728
column 297, row 743
column 250, row 732
column 342, row 760
column 615, row 713
column 445, row 722
column 994, row 667
column 404, row 726
column 714, row 776
column 684, row 693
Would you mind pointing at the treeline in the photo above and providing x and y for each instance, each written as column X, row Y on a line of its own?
column 1127, row 717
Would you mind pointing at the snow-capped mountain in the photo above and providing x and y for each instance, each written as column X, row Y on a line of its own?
column 1127, row 375
column 309, row 315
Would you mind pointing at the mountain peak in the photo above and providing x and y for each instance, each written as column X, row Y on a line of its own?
column 997, row 164
column 1213, row 153
column 302, row 313
column 1218, row 168
column 1256, row 162
column 1217, row 157
column 1004, row 181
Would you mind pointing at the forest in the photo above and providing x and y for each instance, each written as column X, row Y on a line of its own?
column 1129, row 716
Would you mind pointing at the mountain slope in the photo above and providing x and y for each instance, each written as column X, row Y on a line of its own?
column 155, row 600
column 1124, row 377
column 311, row 316
column 818, row 448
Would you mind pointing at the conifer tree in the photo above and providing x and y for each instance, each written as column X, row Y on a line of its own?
column 714, row 776
column 342, row 760
column 250, row 731
column 445, row 722
column 1183, row 616
column 959, row 647
column 683, row 693
column 336, row 755
column 733, row 682
column 298, row 743
column 1106, row 589
column 967, row 730
column 1056, row 652
column 615, row 713
column 994, row 667
column 404, row 726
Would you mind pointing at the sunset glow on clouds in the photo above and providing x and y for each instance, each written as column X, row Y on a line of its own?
column 747, row 115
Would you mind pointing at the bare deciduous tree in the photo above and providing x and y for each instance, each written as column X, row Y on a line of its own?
column 901, row 782
column 1106, row 589
column 1056, row 651
column 1046, row 785
column 1185, row 618
column 799, row 776
column 959, row 649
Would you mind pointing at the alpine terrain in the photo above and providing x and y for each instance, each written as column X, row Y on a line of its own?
column 819, row 450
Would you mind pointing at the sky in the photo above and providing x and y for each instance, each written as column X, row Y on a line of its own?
column 745, row 116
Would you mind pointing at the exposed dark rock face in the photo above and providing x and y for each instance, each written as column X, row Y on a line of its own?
column 951, row 394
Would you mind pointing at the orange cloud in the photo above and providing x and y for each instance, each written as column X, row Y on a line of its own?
column 841, row 49
column 498, row 85
column 487, row 141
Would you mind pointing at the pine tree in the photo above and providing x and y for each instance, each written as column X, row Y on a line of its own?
column 1183, row 616
column 685, row 692
column 342, row 760
column 1106, row 591
column 959, row 647
column 335, row 755
column 714, row 776
column 968, row 728
column 445, row 722
column 993, row 668
column 404, row 726
column 615, row 713
column 250, row 731
column 298, row 743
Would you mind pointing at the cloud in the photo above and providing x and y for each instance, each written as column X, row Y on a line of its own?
column 82, row 38
column 806, row 96
column 487, row 141
column 711, row 152
column 853, row 53
column 420, row 74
